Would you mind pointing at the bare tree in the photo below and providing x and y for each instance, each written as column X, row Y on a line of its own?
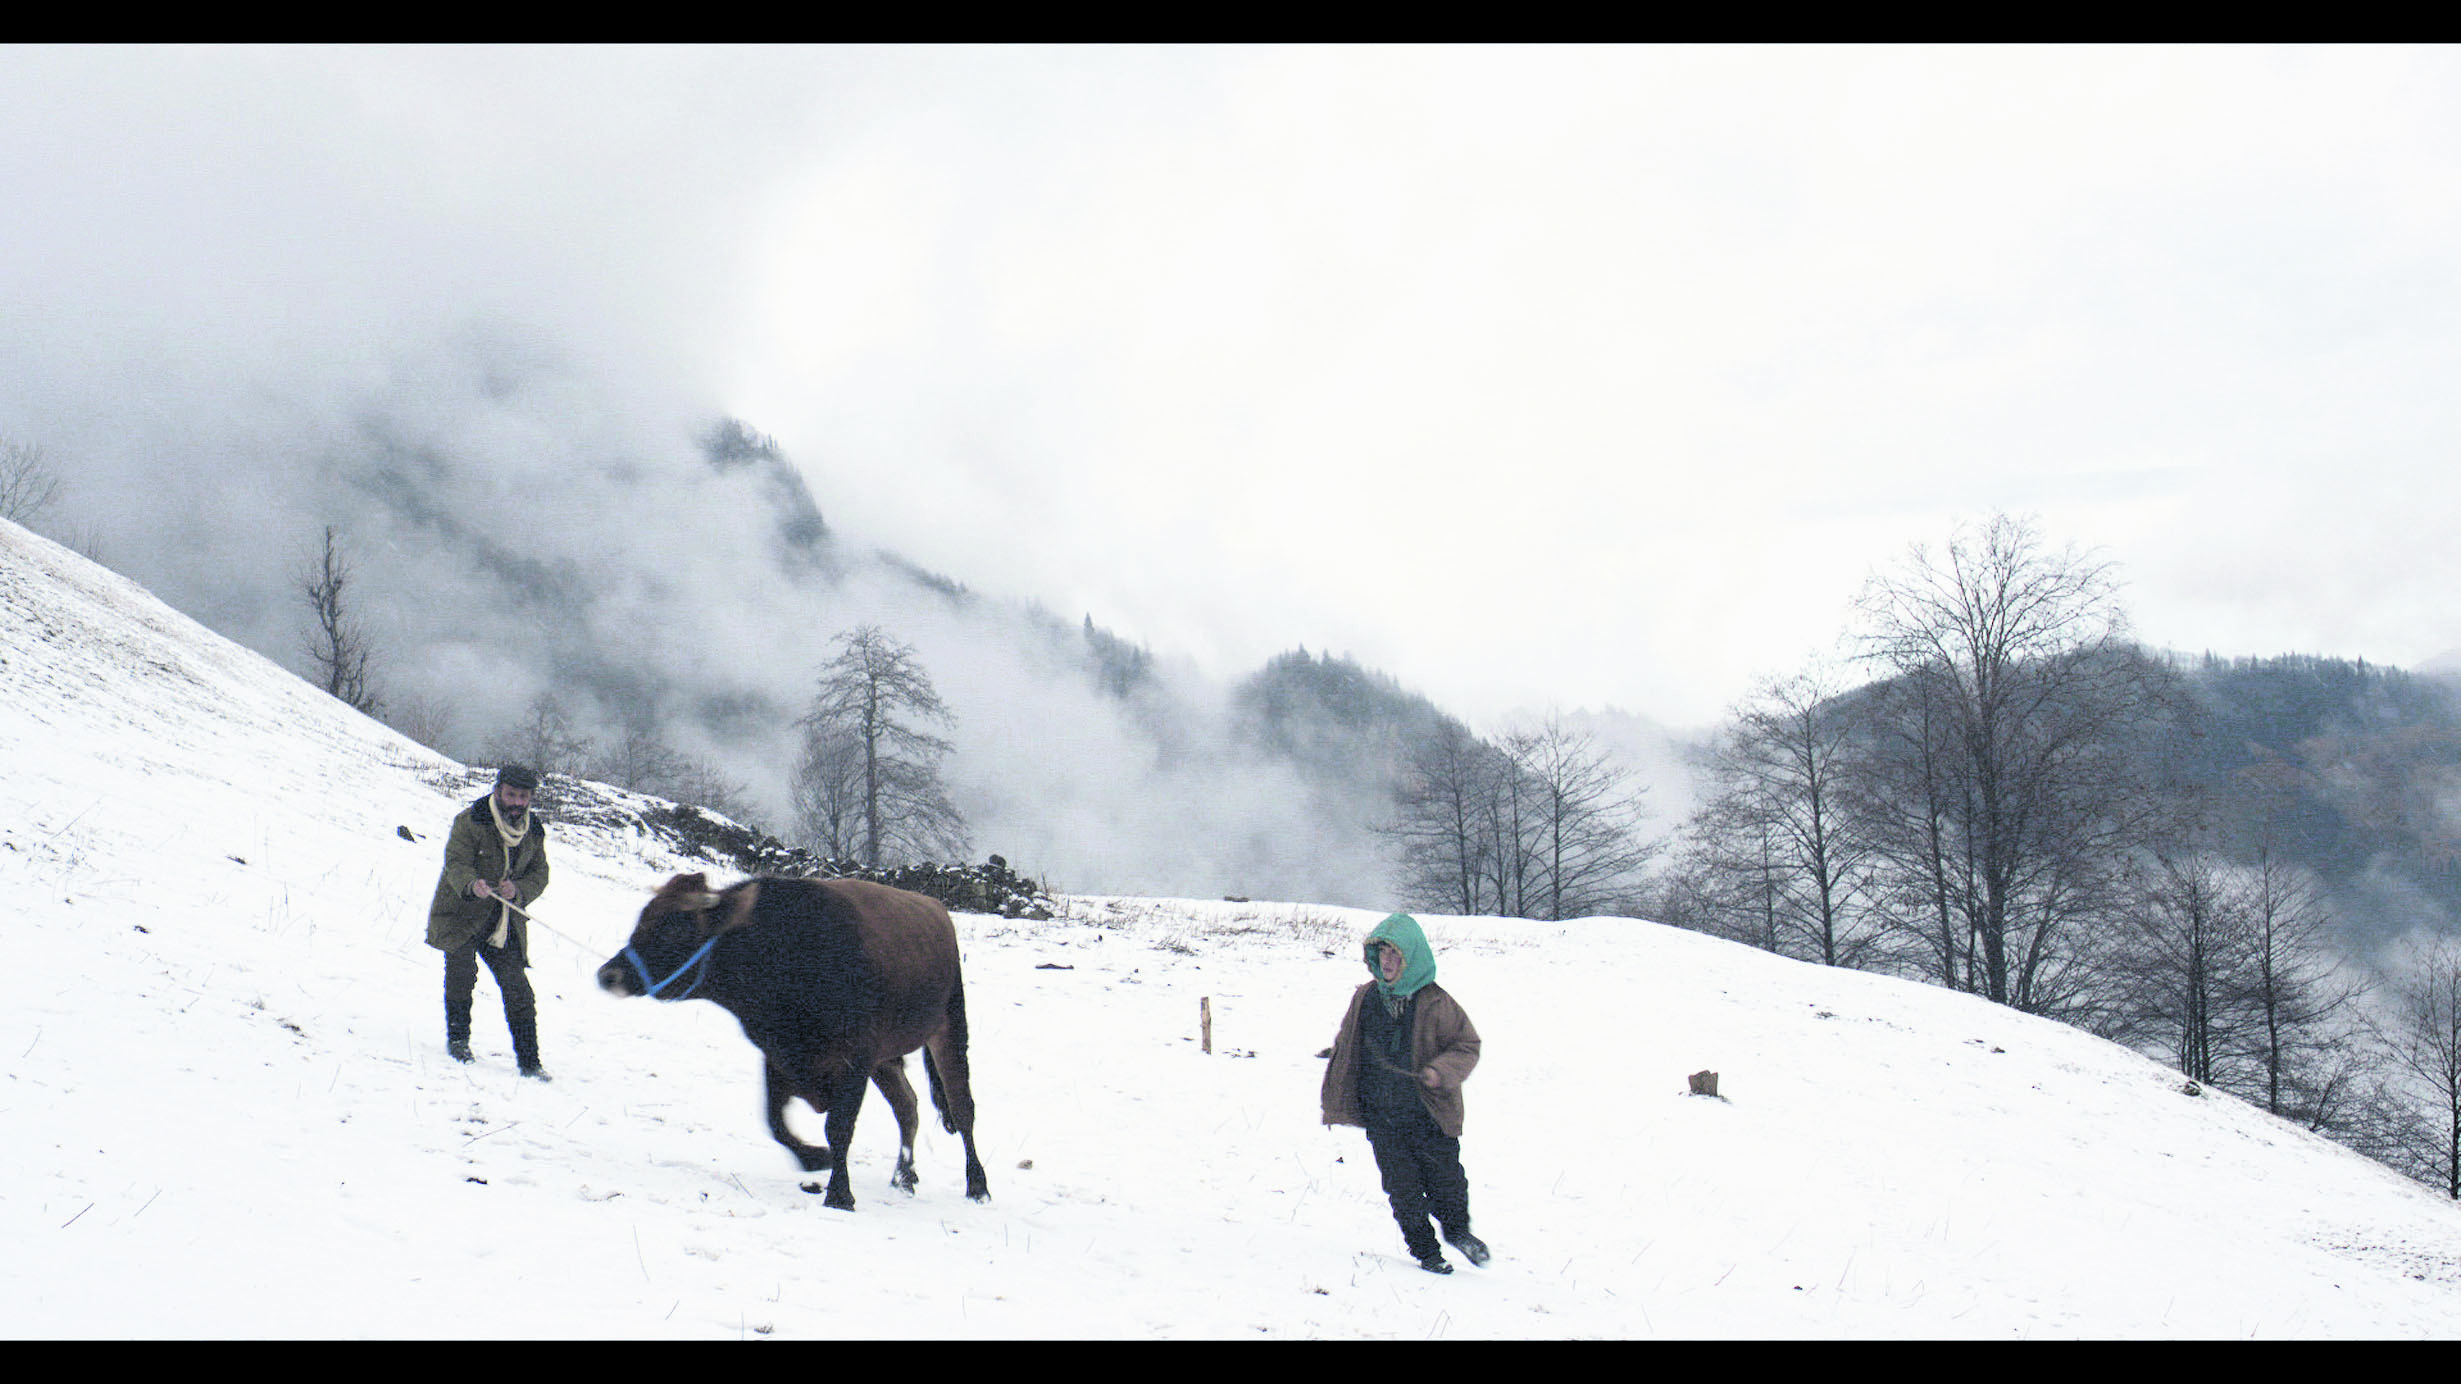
column 1727, row 879
column 337, row 643
column 2017, row 655
column 876, row 694
column 1781, row 772
column 28, row 484
column 1507, row 821
column 1906, row 805
column 1438, row 818
column 2424, row 1037
column 1588, row 843
column 423, row 718
column 2186, row 967
column 547, row 741
column 640, row 758
column 827, row 791
column 699, row 782
column 1537, row 824
column 2356, row 1100
column 2301, row 994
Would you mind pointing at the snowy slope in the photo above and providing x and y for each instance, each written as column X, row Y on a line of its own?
column 226, row 1109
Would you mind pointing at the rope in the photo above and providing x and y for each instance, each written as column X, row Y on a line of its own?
column 532, row 919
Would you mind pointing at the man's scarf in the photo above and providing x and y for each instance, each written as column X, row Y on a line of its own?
column 512, row 841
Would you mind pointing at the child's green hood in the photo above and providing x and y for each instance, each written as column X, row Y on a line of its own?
column 1418, row 960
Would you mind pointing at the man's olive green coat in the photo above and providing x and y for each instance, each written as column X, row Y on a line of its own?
column 473, row 852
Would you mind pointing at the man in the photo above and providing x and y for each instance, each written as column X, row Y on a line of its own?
column 495, row 862
column 1396, row 1069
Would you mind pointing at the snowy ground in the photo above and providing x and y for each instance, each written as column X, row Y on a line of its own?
column 226, row 1110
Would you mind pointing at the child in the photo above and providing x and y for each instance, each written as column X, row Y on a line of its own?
column 1397, row 1066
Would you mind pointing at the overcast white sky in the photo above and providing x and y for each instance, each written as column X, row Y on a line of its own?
column 1530, row 376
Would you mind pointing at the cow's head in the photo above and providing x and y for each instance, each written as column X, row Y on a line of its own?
column 679, row 925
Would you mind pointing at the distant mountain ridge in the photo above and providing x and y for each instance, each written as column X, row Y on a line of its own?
column 690, row 589
column 2350, row 768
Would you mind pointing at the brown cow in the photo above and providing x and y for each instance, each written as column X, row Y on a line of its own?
column 835, row 981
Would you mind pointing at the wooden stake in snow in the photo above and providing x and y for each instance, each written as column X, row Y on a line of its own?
column 1204, row 1019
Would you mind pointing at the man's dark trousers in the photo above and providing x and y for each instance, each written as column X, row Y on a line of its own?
column 461, row 976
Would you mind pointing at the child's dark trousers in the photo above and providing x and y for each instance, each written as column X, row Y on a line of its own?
column 1423, row 1178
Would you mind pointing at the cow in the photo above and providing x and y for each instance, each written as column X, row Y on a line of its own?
column 835, row 981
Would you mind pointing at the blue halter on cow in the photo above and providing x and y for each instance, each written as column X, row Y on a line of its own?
column 835, row 981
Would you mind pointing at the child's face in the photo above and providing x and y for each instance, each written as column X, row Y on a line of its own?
column 1388, row 962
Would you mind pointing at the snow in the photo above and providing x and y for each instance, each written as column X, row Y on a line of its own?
column 227, row 1111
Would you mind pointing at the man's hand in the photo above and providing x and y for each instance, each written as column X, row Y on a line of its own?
column 1429, row 1076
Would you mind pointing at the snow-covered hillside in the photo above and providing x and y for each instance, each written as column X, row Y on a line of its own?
column 227, row 1110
